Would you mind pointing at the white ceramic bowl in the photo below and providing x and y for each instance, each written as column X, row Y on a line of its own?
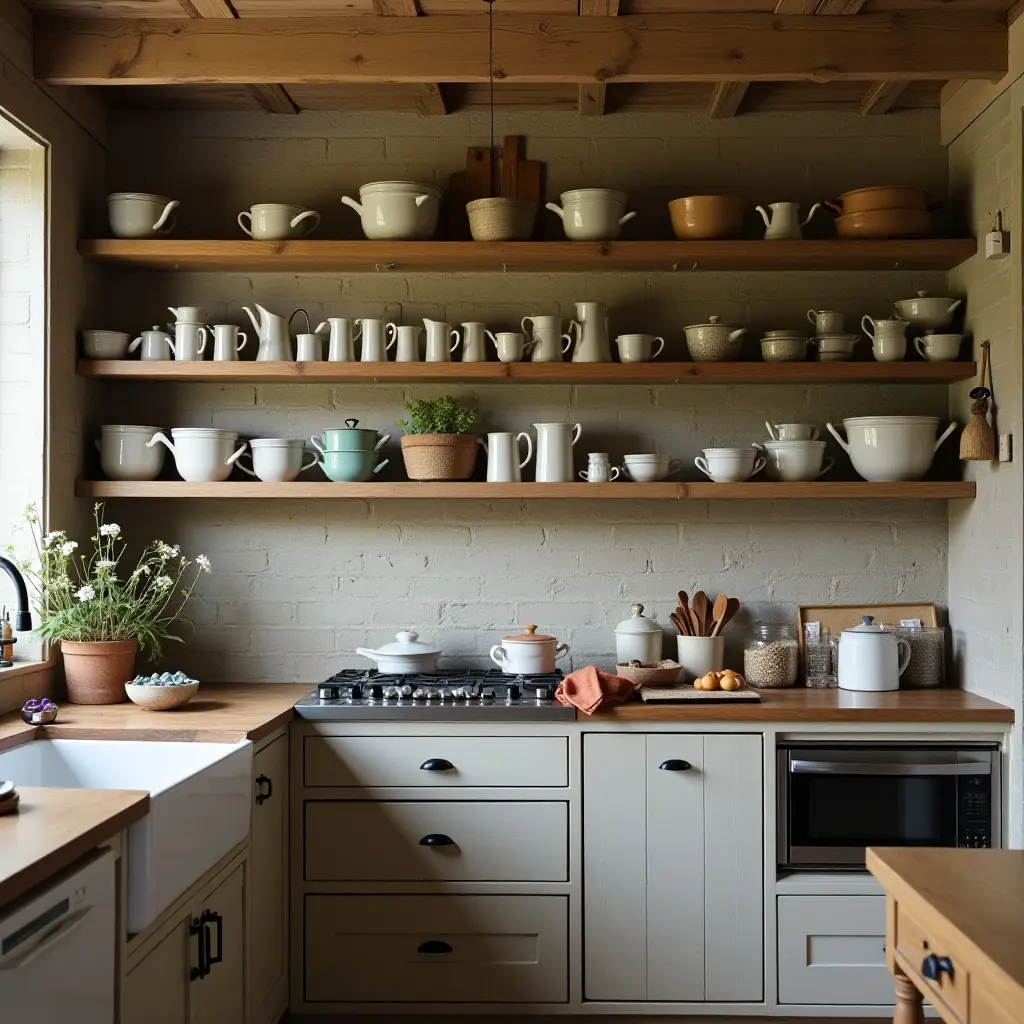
column 160, row 698
column 789, row 349
column 647, row 468
column 201, row 454
column 891, row 448
column 792, row 431
column 140, row 214
column 939, row 348
column 105, row 344
column 730, row 465
column 277, row 221
column 276, row 459
column 796, row 460
column 397, row 210
column 592, row 214
column 125, row 453
column 929, row 311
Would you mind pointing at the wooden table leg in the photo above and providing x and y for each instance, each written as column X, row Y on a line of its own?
column 908, row 1008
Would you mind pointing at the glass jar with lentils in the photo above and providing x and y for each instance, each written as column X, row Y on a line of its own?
column 772, row 656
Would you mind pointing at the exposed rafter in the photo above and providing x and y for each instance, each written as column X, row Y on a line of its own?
column 593, row 95
column 882, row 95
column 426, row 95
column 797, row 7
column 840, row 6
column 925, row 46
column 726, row 99
column 272, row 98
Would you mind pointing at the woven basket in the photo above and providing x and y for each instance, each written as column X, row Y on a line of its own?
column 439, row 456
column 501, row 219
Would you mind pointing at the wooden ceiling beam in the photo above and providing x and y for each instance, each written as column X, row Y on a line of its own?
column 552, row 48
column 726, row 98
column 426, row 96
column 840, row 6
column 271, row 97
column 594, row 95
column 797, row 7
column 882, row 95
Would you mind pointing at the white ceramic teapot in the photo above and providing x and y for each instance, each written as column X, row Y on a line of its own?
column 785, row 221
column 870, row 657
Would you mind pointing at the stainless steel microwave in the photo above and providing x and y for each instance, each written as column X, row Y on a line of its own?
column 834, row 801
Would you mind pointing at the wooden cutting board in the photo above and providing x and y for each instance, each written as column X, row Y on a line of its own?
column 685, row 694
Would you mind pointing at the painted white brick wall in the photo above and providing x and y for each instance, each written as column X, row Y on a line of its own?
column 298, row 585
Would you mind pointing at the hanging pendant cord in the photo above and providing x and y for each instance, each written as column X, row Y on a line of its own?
column 490, row 83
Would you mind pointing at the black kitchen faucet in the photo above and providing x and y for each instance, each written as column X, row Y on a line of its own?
column 23, row 623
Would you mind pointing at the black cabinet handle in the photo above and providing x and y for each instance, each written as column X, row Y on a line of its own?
column 437, row 839
column 264, row 789
column 675, row 764
column 434, row 946
column 933, row 967
column 198, row 928
column 437, row 764
column 212, row 917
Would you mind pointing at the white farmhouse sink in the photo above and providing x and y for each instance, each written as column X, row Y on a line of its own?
column 200, row 800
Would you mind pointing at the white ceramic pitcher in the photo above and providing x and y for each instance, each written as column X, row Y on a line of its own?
column 474, row 342
column 272, row 332
column 546, row 337
column 341, row 347
column 406, row 340
column 442, row 341
column 590, row 330
column 784, row 221
column 503, row 465
column 374, row 349
column 554, row 451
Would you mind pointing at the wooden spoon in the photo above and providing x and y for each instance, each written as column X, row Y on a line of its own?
column 682, row 625
column 695, row 624
column 700, row 609
column 719, row 610
column 732, row 608
column 684, row 607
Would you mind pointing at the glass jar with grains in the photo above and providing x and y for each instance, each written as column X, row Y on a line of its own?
column 772, row 656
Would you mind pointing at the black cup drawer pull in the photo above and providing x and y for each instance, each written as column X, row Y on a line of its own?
column 933, row 967
column 437, row 839
column 437, row 764
column 675, row 764
column 434, row 946
column 264, row 789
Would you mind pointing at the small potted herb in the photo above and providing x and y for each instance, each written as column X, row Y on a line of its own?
column 437, row 444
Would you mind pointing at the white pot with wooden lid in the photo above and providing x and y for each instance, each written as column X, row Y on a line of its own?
column 528, row 654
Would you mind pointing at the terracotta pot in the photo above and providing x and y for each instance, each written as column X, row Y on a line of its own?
column 882, row 197
column 884, row 224
column 439, row 456
column 704, row 217
column 96, row 672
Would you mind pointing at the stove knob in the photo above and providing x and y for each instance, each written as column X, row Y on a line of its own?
column 405, row 690
column 392, row 693
column 487, row 695
column 433, row 694
column 355, row 692
column 512, row 693
column 418, row 694
column 460, row 693
column 376, row 692
column 328, row 693
column 543, row 693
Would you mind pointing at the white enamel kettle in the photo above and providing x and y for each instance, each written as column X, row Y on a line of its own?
column 272, row 331
column 870, row 657
column 785, row 221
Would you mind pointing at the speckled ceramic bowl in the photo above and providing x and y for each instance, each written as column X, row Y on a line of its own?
column 160, row 698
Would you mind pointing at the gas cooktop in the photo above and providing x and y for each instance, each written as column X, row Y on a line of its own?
column 460, row 695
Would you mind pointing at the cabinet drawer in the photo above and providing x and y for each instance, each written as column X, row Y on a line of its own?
column 490, row 842
column 832, row 951
column 914, row 943
column 440, row 949
column 421, row 761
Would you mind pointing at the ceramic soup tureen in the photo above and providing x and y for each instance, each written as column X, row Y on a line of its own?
column 528, row 654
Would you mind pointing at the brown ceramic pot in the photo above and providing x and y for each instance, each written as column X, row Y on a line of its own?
column 96, row 672
column 704, row 217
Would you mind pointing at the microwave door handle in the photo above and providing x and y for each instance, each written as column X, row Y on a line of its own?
column 798, row 767
column 69, row 925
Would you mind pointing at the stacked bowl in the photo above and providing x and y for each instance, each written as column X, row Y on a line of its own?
column 882, row 212
column 784, row 346
column 648, row 467
column 349, row 454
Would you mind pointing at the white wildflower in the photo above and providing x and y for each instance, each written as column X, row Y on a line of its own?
column 103, row 564
column 203, row 562
column 86, row 593
column 110, row 530
column 163, row 582
column 68, row 546
column 53, row 537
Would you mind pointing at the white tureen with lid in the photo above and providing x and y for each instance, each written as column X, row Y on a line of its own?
column 407, row 654
column 528, row 654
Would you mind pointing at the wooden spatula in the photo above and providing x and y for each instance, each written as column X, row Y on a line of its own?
column 682, row 624
column 732, row 607
column 700, row 609
column 719, row 609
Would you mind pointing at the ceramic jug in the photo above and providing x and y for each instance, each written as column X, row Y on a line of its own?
column 374, row 349
column 406, row 340
column 156, row 344
column 341, row 342
column 546, row 338
column 309, row 348
column 590, row 330
column 272, row 332
column 877, row 330
column 187, row 314
column 784, row 221
column 189, row 342
column 554, row 451
column 599, row 469
column 226, row 344
column 870, row 658
column 474, row 342
column 440, row 343
column 503, row 465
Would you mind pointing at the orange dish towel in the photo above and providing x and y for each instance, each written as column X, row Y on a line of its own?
column 589, row 689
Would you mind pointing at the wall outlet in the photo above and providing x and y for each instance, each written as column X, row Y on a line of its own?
column 1006, row 447
column 997, row 241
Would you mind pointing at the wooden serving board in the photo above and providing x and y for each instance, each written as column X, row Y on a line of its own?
column 686, row 694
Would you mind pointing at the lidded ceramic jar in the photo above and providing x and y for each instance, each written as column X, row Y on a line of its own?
column 529, row 653
column 638, row 638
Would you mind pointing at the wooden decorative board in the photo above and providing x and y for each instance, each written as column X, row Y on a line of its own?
column 686, row 694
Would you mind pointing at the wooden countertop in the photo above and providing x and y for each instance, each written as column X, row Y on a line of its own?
column 54, row 827
column 978, row 894
column 826, row 705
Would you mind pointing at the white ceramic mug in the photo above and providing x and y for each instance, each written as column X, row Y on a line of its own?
column 189, row 341
column 341, row 345
column 599, row 470
column 309, row 348
column 639, row 348
column 939, row 348
column 406, row 340
column 140, row 214
column 226, row 343
column 730, row 465
column 125, row 453
column 826, row 321
column 889, row 348
column 794, row 461
column 201, row 454
column 545, row 338
column 792, row 431
column 276, row 459
column 699, row 655
column 511, row 345
column 374, row 350
column 503, row 463
column 275, row 221
column 156, row 345
column 474, row 342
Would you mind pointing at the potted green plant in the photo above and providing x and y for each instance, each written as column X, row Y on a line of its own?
column 437, row 444
column 100, row 616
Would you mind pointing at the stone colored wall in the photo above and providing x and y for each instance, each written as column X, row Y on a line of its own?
column 297, row 586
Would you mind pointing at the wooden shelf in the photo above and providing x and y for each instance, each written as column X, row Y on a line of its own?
column 251, row 372
column 495, row 257
column 665, row 491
